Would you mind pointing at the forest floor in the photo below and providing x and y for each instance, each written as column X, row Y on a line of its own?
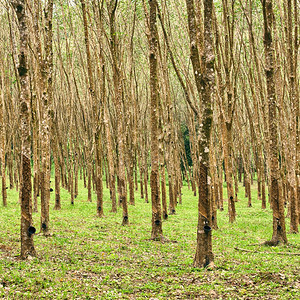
column 91, row 258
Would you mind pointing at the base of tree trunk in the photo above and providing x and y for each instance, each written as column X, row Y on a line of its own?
column 208, row 264
column 204, row 256
column 161, row 239
column 28, row 255
column 57, row 203
column 157, row 238
column 46, row 233
column 125, row 221
column 274, row 242
column 271, row 243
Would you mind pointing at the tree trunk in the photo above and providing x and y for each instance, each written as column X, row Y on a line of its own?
column 110, row 160
column 227, row 142
column 89, row 183
column 279, row 231
column 99, row 182
column 35, row 157
column 27, row 230
column 157, row 233
column 204, row 78
column 163, row 193
column 146, row 182
column 57, row 205
column 141, row 181
column 292, row 143
column 2, row 142
column 45, row 60
column 118, row 100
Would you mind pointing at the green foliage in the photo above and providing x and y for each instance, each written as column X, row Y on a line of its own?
column 92, row 258
column 187, row 146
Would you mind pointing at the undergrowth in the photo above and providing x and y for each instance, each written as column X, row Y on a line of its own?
column 91, row 258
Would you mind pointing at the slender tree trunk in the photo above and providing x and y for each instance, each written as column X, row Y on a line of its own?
column 2, row 142
column 263, row 192
column 10, row 170
column 99, row 182
column 84, row 176
column 110, row 160
column 227, row 142
column 172, row 210
column 45, row 61
column 57, row 205
column 130, row 177
column 279, row 231
column 96, row 133
column 236, row 185
column 163, row 192
column 146, row 182
column 248, row 187
column 89, row 183
column 118, row 99
column 141, row 180
column 205, row 87
column 71, row 175
column 76, row 175
column 136, row 184
column 27, row 230
column 35, row 156
column 292, row 153
column 157, row 233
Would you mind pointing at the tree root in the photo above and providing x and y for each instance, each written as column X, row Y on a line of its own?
column 162, row 239
column 266, row 243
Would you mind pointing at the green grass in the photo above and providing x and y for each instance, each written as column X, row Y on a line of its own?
column 92, row 258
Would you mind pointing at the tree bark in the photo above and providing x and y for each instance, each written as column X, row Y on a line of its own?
column 27, row 230
column 119, row 104
column 2, row 140
column 157, row 233
column 96, row 132
column 279, row 231
column 205, row 86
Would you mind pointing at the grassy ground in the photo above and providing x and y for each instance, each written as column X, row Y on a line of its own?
column 92, row 258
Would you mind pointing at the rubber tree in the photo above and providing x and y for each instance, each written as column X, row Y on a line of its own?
column 157, row 233
column 27, row 230
column 279, row 231
column 203, row 67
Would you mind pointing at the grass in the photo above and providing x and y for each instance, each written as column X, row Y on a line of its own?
column 91, row 258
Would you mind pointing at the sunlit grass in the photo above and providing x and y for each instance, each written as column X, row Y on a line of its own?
column 91, row 258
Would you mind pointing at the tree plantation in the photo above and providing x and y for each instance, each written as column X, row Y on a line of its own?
column 149, row 149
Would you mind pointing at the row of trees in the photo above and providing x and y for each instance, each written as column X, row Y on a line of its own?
column 192, row 90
